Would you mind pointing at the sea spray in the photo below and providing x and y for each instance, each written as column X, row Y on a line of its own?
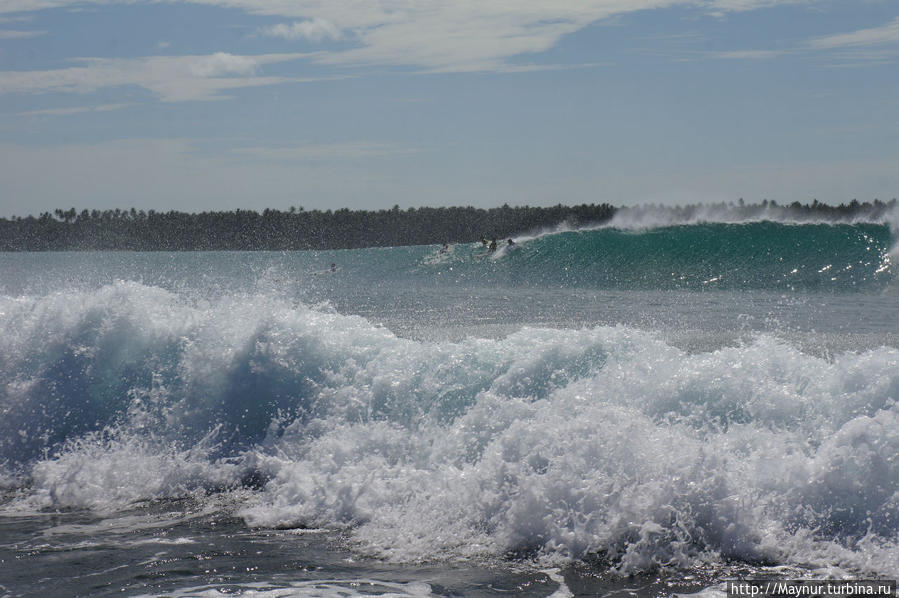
column 697, row 400
column 601, row 444
column 645, row 217
column 647, row 462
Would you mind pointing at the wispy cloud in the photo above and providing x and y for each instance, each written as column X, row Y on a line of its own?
column 16, row 6
column 861, row 48
column 314, row 30
column 472, row 35
column 875, row 45
column 463, row 35
column 222, row 64
column 874, row 36
column 16, row 34
column 75, row 110
column 356, row 149
column 171, row 78
column 749, row 54
column 722, row 7
column 16, row 19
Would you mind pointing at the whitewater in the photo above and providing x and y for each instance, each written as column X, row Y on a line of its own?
column 645, row 407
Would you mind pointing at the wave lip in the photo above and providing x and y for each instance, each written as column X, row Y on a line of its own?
column 652, row 216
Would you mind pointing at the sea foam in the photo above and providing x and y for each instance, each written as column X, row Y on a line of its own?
column 603, row 444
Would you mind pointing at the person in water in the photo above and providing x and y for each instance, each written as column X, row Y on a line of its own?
column 511, row 242
column 444, row 249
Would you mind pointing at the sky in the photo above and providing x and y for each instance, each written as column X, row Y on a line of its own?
column 365, row 104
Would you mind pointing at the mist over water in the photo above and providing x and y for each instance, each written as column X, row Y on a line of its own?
column 681, row 399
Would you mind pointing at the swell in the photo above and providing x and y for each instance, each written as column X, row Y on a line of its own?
column 744, row 256
column 756, row 255
column 605, row 444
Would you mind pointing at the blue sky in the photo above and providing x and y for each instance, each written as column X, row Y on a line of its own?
column 224, row 104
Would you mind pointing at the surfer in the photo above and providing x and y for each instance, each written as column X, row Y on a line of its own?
column 329, row 270
column 511, row 242
column 492, row 247
column 443, row 249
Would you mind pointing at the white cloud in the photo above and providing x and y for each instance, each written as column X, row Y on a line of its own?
column 171, row 78
column 886, row 34
column 472, row 35
column 11, row 6
column 461, row 35
column 314, row 30
column 356, row 149
column 14, row 34
column 223, row 64
column 876, row 45
column 466, row 35
column 722, row 7
column 749, row 54
column 76, row 110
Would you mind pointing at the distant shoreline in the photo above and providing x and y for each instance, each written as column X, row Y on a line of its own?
column 298, row 229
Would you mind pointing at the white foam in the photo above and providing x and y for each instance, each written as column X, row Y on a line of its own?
column 303, row 589
column 654, row 216
column 105, row 475
column 657, row 458
column 563, row 591
column 553, row 444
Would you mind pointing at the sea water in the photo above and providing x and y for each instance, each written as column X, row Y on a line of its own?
column 640, row 410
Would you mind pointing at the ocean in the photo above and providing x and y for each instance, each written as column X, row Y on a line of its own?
column 637, row 409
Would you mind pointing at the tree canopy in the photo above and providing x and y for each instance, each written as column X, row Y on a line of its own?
column 296, row 228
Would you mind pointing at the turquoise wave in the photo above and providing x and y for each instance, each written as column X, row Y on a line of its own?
column 757, row 255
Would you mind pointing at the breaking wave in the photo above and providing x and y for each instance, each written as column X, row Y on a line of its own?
column 602, row 445
column 765, row 255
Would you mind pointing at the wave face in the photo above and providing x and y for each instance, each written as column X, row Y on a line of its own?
column 700, row 256
column 603, row 444
column 740, row 256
